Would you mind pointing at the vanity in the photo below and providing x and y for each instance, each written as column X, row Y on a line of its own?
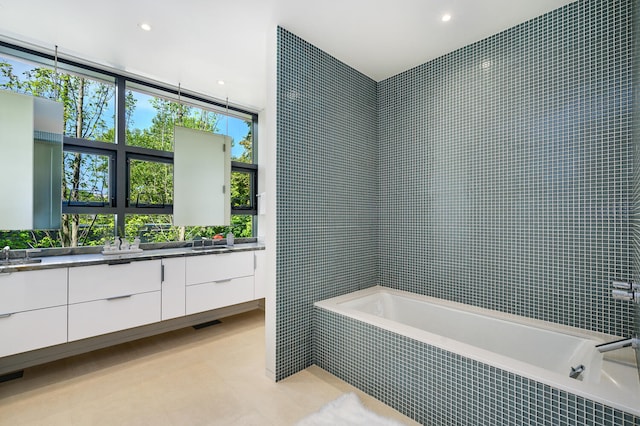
column 67, row 305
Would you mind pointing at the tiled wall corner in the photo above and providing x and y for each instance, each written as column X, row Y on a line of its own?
column 327, row 190
column 635, row 216
column 506, row 170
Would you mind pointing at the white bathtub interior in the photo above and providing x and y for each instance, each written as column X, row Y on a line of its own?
column 535, row 349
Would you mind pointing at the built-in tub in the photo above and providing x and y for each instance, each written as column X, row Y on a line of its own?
column 541, row 351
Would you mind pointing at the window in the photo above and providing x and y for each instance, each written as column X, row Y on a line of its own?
column 118, row 152
column 89, row 103
column 85, row 180
column 93, row 229
column 242, row 190
column 159, row 228
column 150, row 183
column 241, row 134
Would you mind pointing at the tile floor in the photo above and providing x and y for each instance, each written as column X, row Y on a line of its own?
column 212, row 376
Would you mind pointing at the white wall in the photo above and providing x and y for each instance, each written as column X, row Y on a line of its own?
column 267, row 179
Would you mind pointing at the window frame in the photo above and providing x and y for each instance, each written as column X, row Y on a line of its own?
column 119, row 152
column 252, row 171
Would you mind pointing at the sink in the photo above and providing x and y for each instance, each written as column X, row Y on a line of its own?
column 20, row 261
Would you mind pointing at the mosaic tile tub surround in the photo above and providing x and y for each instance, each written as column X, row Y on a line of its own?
column 436, row 387
column 506, row 166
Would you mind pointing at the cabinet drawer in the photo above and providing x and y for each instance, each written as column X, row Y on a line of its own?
column 104, row 281
column 25, row 331
column 28, row 290
column 105, row 316
column 213, row 295
column 216, row 267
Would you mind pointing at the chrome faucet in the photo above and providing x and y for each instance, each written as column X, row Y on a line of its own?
column 619, row 344
column 6, row 250
column 625, row 291
column 576, row 372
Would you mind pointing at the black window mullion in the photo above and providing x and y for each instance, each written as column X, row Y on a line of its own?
column 154, row 154
column 121, row 169
column 88, row 145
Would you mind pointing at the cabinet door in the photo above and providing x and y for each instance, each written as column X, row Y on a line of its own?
column 105, row 316
column 260, row 281
column 173, row 290
column 97, row 282
column 216, row 267
column 213, row 295
column 28, row 290
column 25, row 331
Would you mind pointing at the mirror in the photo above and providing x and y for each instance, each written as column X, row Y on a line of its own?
column 202, row 177
column 31, row 132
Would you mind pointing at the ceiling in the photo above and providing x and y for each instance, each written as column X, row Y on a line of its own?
column 198, row 42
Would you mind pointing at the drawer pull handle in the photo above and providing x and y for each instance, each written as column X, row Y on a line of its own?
column 223, row 281
column 5, row 315
column 120, row 297
column 118, row 262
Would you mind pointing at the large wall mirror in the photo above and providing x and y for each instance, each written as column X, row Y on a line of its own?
column 31, row 132
column 202, row 176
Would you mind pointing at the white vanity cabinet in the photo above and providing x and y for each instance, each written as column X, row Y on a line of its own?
column 112, row 297
column 173, row 287
column 33, row 310
column 48, row 307
column 217, row 280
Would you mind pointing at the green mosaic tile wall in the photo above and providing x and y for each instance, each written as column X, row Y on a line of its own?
column 506, row 170
column 499, row 175
column 327, row 189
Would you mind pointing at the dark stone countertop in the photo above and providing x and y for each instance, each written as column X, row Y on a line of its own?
column 75, row 257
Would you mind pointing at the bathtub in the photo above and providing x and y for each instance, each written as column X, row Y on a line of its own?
column 540, row 351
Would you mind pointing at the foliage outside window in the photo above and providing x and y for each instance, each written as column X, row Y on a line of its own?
column 159, row 228
column 150, row 183
column 91, row 230
column 89, row 104
column 90, row 152
column 85, row 179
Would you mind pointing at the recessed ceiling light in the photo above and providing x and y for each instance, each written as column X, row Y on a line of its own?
column 446, row 17
column 221, row 82
column 144, row 26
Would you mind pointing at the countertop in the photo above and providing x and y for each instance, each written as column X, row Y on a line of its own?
column 73, row 260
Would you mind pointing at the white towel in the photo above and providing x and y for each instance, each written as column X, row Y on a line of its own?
column 347, row 410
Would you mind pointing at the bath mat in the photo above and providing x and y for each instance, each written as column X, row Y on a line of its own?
column 347, row 410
